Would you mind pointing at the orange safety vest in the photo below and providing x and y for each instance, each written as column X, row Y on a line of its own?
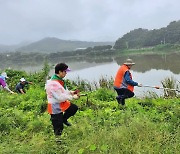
column 119, row 81
column 63, row 106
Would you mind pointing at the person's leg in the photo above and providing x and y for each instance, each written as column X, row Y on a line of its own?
column 121, row 95
column 120, row 92
column 128, row 93
column 24, row 91
column 69, row 112
column 57, row 122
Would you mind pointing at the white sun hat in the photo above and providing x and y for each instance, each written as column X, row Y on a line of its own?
column 22, row 79
column 4, row 74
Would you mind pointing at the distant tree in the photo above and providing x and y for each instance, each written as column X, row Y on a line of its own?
column 104, row 47
column 144, row 38
column 89, row 49
column 133, row 39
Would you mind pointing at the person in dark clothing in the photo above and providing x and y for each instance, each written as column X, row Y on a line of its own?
column 59, row 106
column 123, row 83
column 20, row 86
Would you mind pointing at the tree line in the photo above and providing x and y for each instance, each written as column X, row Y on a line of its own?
column 140, row 38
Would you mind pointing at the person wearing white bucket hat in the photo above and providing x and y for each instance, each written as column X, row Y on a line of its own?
column 20, row 86
column 123, row 83
column 3, row 83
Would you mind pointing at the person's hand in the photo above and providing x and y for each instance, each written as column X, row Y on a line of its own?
column 139, row 85
column 77, row 92
column 75, row 96
column 72, row 92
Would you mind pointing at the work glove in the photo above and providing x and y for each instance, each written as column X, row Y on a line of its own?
column 75, row 96
column 139, row 85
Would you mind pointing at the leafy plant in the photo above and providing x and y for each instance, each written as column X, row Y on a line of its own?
column 146, row 125
column 169, row 84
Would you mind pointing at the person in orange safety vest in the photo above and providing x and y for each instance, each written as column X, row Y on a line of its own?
column 123, row 83
column 59, row 106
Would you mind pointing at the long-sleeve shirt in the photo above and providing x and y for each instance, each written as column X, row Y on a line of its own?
column 129, row 80
column 57, row 95
column 4, row 84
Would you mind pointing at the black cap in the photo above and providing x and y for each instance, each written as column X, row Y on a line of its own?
column 61, row 67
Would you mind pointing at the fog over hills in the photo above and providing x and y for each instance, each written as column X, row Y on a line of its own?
column 12, row 48
column 52, row 44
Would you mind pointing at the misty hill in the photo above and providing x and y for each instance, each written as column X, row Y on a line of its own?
column 7, row 48
column 140, row 38
column 51, row 45
column 12, row 48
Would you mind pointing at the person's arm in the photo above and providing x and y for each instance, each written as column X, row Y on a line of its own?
column 21, row 91
column 29, row 82
column 62, row 96
column 7, row 88
column 19, row 88
column 129, row 80
column 57, row 91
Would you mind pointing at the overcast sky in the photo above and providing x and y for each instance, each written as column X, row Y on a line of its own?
column 85, row 20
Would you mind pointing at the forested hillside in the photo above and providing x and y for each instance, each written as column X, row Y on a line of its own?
column 52, row 44
column 140, row 38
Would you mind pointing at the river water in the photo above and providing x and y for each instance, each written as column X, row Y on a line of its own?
column 152, row 77
column 149, row 69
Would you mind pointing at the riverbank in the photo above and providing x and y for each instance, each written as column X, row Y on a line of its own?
column 100, row 126
column 159, row 49
column 146, row 125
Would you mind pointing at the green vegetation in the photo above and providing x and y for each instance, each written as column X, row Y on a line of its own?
column 97, row 54
column 156, row 50
column 52, row 44
column 138, row 41
column 148, row 125
column 141, row 38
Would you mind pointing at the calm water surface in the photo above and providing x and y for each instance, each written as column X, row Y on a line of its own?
column 148, row 70
column 152, row 77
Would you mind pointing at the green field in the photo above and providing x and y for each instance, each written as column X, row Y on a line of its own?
column 147, row 125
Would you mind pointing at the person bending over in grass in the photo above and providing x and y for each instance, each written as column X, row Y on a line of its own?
column 3, row 83
column 123, row 83
column 20, row 86
column 59, row 106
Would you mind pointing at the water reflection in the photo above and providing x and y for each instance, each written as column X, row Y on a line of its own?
column 144, row 63
column 152, row 77
column 149, row 69
column 147, row 62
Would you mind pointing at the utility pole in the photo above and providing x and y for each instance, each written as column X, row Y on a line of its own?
column 127, row 45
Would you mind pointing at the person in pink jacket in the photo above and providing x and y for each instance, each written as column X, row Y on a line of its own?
column 3, row 83
column 59, row 106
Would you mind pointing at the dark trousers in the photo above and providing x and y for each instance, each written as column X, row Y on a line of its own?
column 58, row 119
column 123, row 93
